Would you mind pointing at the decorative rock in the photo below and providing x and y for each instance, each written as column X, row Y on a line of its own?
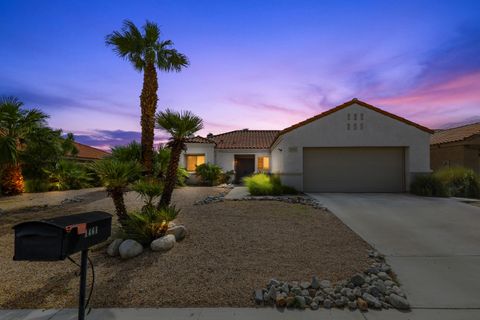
column 340, row 303
column 258, row 296
column 358, row 280
column 314, row 306
column 113, row 247
column 274, row 282
column 129, row 249
column 180, row 232
column 357, row 292
column 371, row 300
column 285, row 288
column 374, row 291
column 300, row 302
column 380, row 286
column 389, row 283
column 272, row 293
column 305, row 285
column 327, row 303
column 318, row 300
column 305, row 293
column 398, row 302
column 325, row 284
column 308, row 300
column 352, row 305
column 290, row 301
column 385, row 267
column 163, row 244
column 315, row 283
column 281, row 301
column 382, row 275
column 362, row 304
column 296, row 291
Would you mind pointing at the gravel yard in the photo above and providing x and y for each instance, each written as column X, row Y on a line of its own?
column 233, row 247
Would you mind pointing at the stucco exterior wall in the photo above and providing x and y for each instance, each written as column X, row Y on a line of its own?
column 375, row 130
column 447, row 155
column 225, row 157
column 199, row 148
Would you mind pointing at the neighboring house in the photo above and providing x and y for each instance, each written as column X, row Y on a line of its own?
column 456, row 147
column 87, row 153
column 354, row 147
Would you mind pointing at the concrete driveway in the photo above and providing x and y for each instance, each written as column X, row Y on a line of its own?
column 433, row 244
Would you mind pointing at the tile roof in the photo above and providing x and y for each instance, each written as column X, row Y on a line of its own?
column 245, row 139
column 347, row 104
column 91, row 153
column 199, row 139
column 455, row 134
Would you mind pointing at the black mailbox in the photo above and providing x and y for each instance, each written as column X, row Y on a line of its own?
column 58, row 238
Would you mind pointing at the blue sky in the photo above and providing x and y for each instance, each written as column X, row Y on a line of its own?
column 254, row 64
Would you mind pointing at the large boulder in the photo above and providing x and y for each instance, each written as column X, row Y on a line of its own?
column 129, row 249
column 164, row 243
column 180, row 232
column 399, row 302
column 113, row 247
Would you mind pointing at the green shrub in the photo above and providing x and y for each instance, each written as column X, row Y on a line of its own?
column 261, row 185
column 459, row 182
column 227, row 177
column 36, row 185
column 182, row 176
column 149, row 224
column 69, row 175
column 149, row 190
column 209, row 173
column 428, row 186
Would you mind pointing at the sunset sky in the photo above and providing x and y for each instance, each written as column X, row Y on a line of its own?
column 254, row 64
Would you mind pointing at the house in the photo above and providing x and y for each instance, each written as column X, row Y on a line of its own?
column 354, row 147
column 87, row 153
column 458, row 146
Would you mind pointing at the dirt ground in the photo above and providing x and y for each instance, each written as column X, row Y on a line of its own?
column 232, row 248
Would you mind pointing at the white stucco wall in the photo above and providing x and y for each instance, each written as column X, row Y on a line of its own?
column 331, row 131
column 208, row 149
column 225, row 157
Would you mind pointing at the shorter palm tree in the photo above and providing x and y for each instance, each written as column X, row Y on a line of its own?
column 16, row 125
column 116, row 176
column 180, row 125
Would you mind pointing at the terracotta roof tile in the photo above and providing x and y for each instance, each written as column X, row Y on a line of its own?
column 455, row 134
column 245, row 139
column 87, row 152
column 199, row 139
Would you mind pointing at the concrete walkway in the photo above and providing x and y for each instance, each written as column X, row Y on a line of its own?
column 237, row 193
column 433, row 244
column 237, row 314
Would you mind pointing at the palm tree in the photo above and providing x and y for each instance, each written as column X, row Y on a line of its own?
column 180, row 125
column 116, row 176
column 16, row 124
column 147, row 52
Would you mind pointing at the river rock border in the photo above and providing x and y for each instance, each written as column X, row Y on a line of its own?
column 298, row 199
column 375, row 288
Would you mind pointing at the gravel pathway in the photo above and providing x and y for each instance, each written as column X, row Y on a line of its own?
column 233, row 247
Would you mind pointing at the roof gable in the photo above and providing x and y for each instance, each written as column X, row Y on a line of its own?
column 348, row 104
column 88, row 152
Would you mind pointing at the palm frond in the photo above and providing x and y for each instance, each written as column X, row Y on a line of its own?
column 180, row 124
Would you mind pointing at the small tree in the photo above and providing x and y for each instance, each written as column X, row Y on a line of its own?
column 180, row 125
column 116, row 176
column 16, row 126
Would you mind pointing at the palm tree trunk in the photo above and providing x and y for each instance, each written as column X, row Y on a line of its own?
column 119, row 203
column 12, row 180
column 148, row 104
column 171, row 178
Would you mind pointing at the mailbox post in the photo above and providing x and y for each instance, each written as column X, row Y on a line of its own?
column 58, row 238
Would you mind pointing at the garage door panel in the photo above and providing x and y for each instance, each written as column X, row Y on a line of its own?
column 353, row 169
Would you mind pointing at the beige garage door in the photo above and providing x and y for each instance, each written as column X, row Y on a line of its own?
column 353, row 170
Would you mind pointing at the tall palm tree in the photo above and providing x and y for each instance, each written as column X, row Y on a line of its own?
column 16, row 124
column 180, row 125
column 116, row 176
column 147, row 52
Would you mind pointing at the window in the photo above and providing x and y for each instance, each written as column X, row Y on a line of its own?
column 194, row 160
column 263, row 163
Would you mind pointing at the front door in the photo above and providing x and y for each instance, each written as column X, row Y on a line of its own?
column 244, row 166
